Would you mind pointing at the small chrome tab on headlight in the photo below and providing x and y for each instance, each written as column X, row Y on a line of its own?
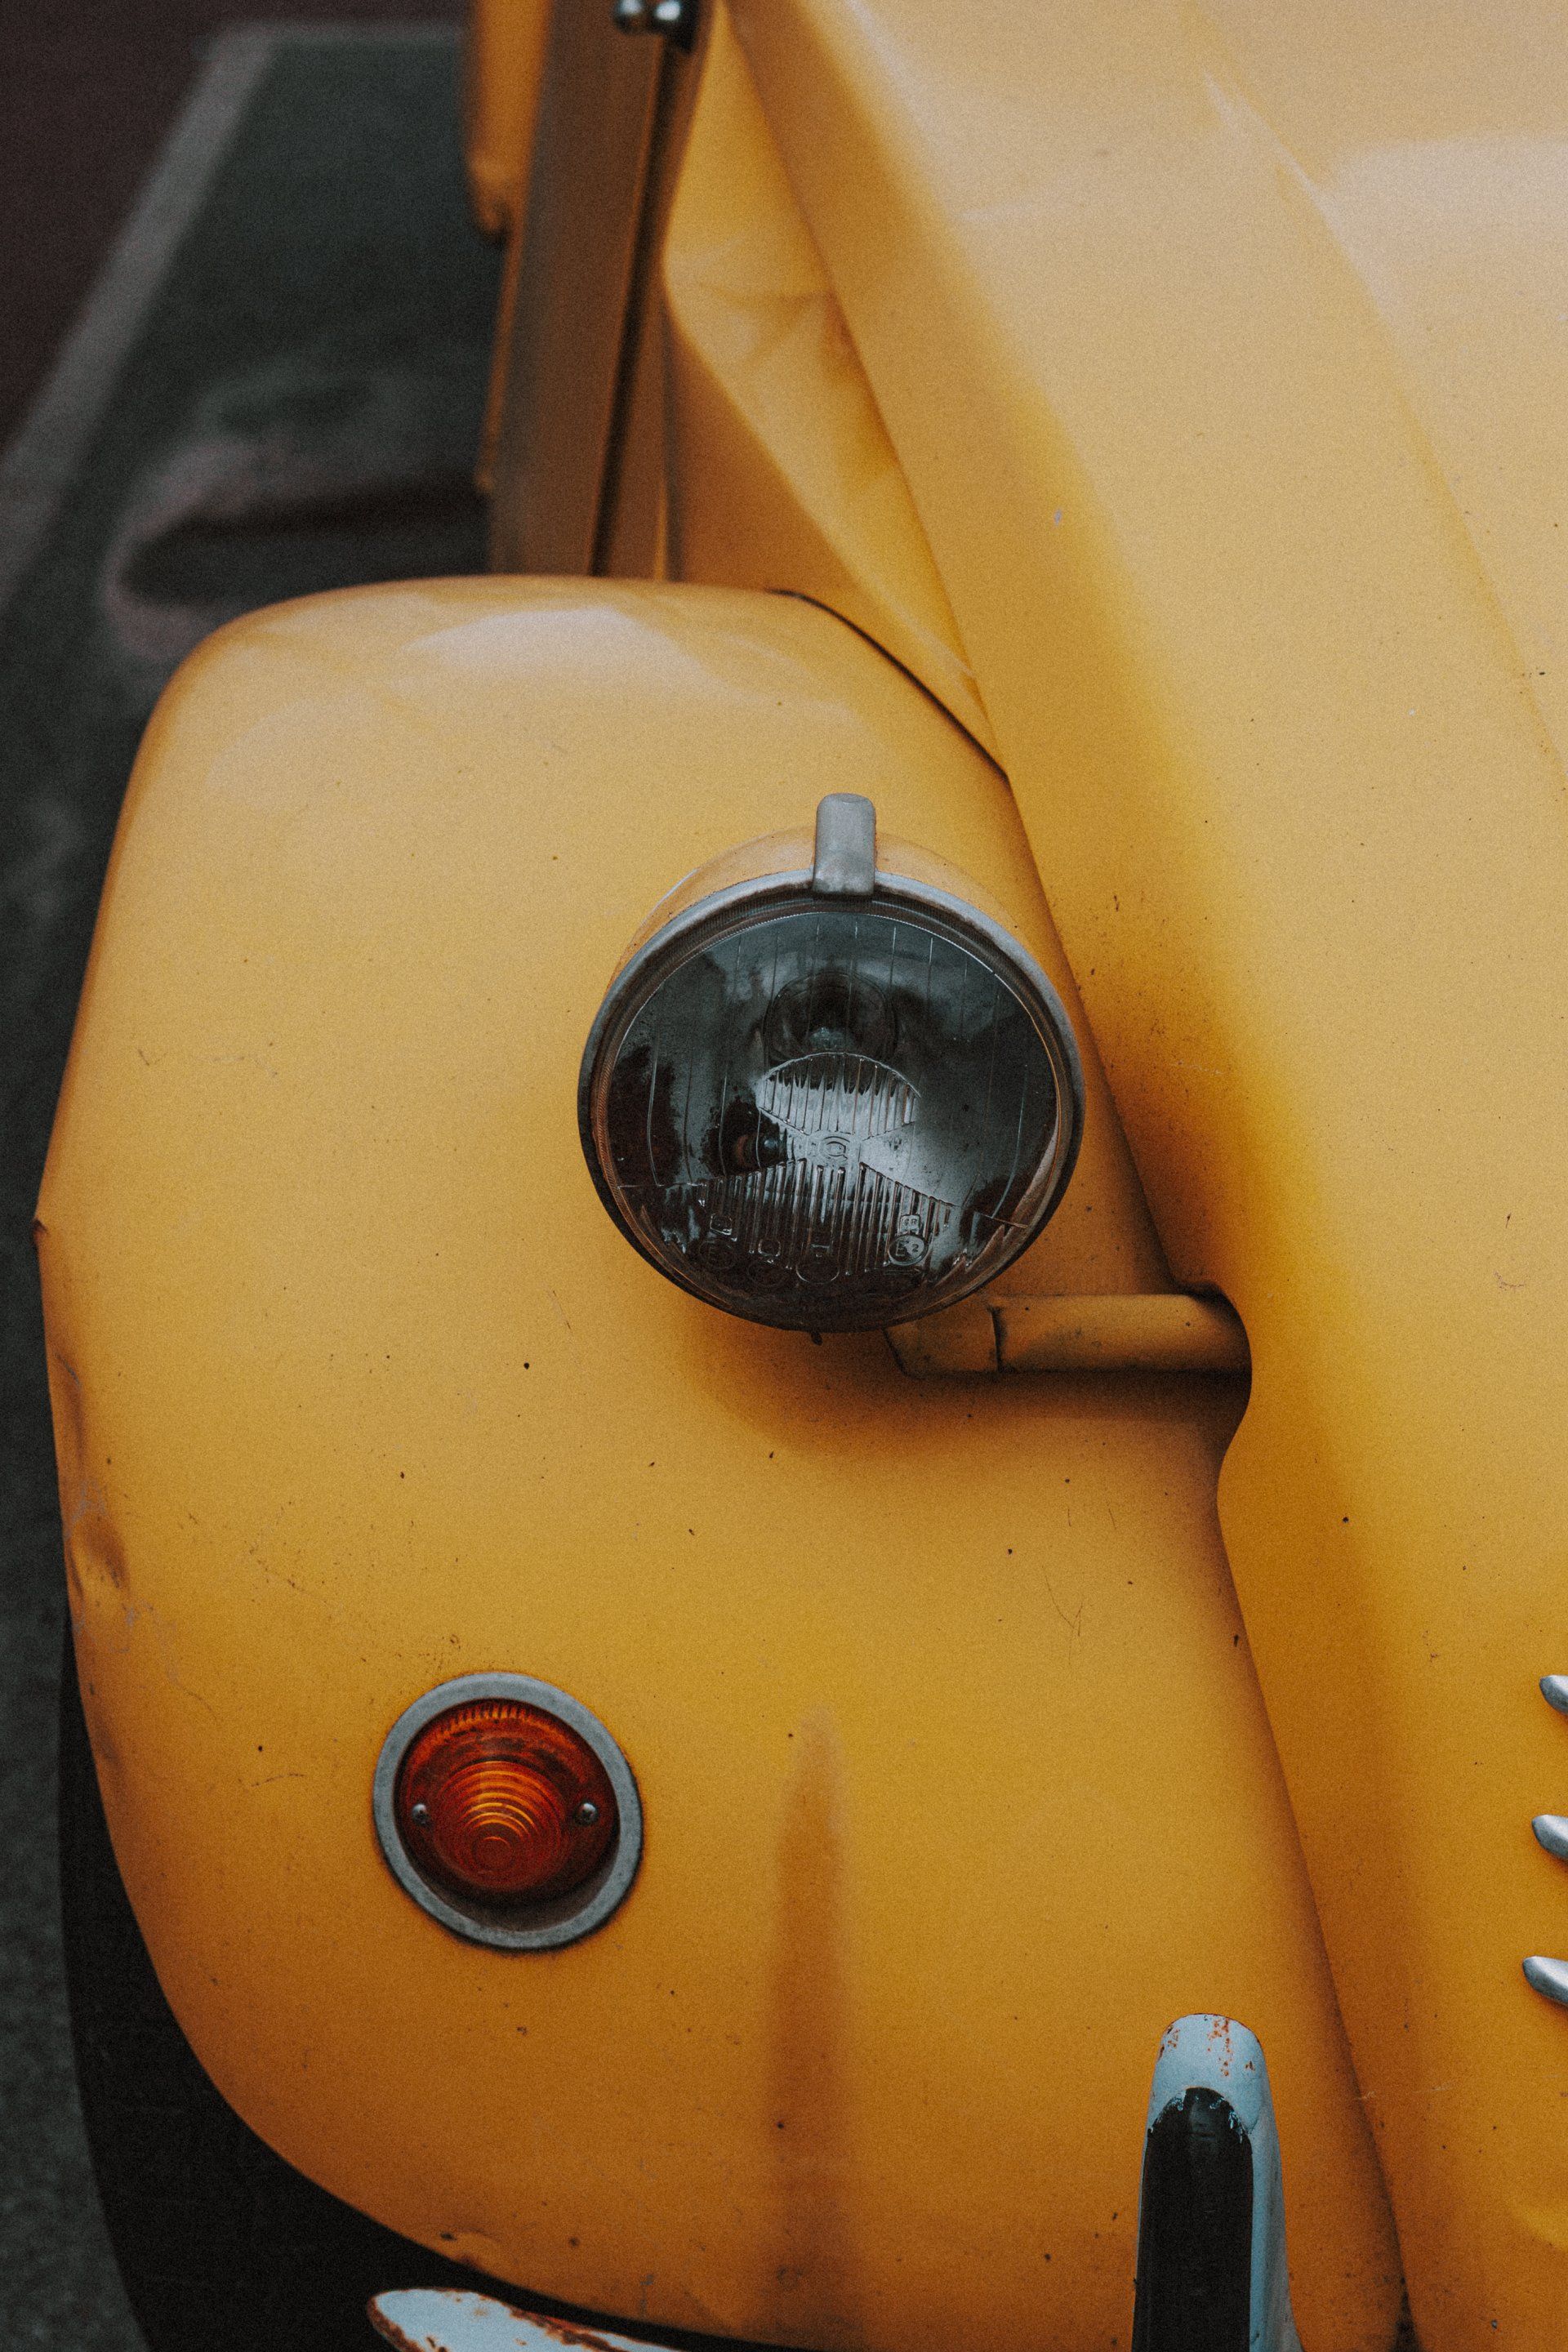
column 830, row 1097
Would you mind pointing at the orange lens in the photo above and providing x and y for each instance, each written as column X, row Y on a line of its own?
column 502, row 1803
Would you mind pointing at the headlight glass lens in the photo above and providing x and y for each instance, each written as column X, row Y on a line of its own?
column 830, row 1113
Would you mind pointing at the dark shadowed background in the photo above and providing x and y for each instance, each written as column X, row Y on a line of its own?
column 88, row 90
column 296, row 408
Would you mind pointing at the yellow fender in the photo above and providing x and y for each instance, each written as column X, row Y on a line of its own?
column 957, row 1780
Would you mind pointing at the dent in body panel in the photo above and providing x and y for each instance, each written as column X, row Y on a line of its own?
column 94, row 1549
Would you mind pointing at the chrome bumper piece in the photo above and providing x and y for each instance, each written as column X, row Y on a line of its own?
column 451, row 2319
column 1211, row 2212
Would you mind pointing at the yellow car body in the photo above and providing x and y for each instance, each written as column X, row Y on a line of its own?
column 1133, row 447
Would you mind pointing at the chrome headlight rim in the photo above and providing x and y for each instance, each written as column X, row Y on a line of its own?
column 722, row 914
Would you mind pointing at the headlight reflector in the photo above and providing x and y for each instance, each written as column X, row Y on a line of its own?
column 834, row 1098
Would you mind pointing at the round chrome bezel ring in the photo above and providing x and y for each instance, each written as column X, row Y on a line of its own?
column 726, row 911
column 537, row 1927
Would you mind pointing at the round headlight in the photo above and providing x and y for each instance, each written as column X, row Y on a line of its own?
column 831, row 1098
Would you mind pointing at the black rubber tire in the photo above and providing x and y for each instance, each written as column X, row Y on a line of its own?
column 223, row 2247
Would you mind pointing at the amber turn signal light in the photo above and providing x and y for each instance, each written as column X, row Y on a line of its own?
column 501, row 1804
column 507, row 1810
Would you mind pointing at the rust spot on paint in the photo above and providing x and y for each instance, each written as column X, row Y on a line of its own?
column 398, row 2337
column 813, row 2288
column 562, row 2333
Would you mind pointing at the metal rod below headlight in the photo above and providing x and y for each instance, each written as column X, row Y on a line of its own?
column 1148, row 1331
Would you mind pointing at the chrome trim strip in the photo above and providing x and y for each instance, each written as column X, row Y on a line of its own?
column 1554, row 1691
column 1551, row 1832
column 1548, row 1978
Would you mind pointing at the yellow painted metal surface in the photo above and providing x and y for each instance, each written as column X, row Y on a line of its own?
column 1223, row 352
column 752, row 452
column 503, row 60
column 958, row 1783
column 557, row 407
column 781, row 471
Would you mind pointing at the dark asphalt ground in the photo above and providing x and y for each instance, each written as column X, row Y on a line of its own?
column 87, row 91
column 324, row 336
